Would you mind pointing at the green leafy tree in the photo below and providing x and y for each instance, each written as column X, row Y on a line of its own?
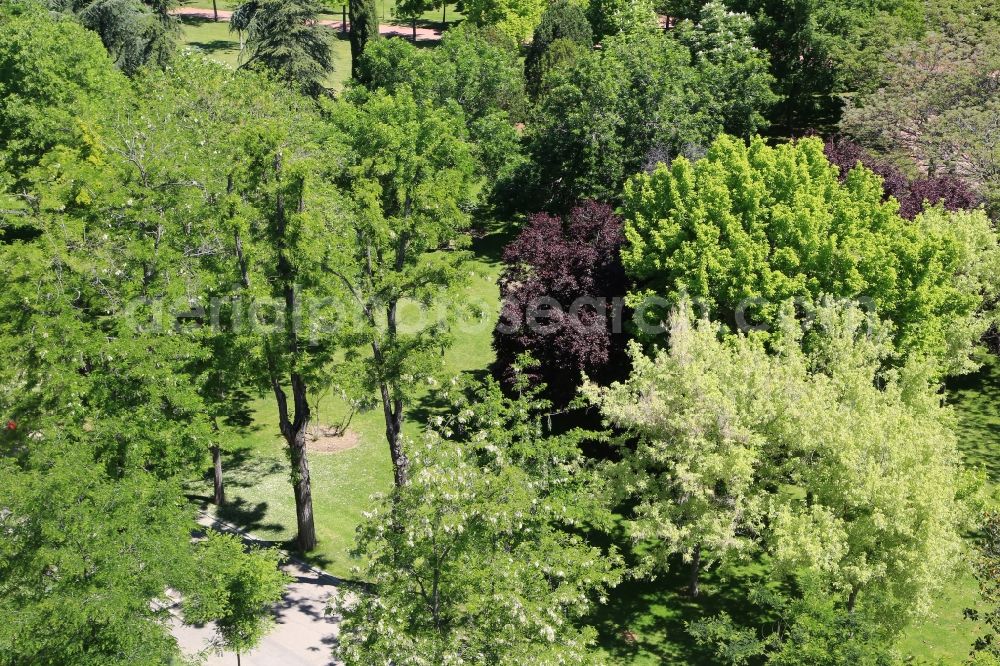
column 236, row 589
column 515, row 18
column 55, row 82
column 562, row 20
column 285, row 38
column 83, row 557
column 474, row 560
column 746, row 228
column 846, row 476
column 135, row 32
column 409, row 174
column 616, row 17
column 735, row 71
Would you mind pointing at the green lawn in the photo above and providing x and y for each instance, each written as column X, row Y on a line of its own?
column 386, row 10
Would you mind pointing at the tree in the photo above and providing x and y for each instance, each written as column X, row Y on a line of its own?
column 408, row 172
column 936, row 108
column 735, row 71
column 847, row 477
column 913, row 195
column 573, row 264
column 746, row 228
column 84, row 556
column 477, row 68
column 514, row 18
column 475, row 559
column 55, row 79
column 561, row 20
column 616, row 17
column 285, row 38
column 135, row 32
column 364, row 28
column 235, row 588
column 642, row 99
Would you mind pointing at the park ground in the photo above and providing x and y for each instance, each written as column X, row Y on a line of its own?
column 357, row 466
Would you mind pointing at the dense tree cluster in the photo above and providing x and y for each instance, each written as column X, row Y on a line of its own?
column 753, row 329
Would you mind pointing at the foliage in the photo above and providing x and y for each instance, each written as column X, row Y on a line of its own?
column 638, row 101
column 949, row 191
column 845, row 476
column 364, row 28
column 936, row 108
column 987, row 567
column 746, row 228
column 563, row 260
column 472, row 561
column 618, row 17
column 514, row 18
column 135, row 32
column 285, row 38
column 822, row 47
column 54, row 80
column 735, row 71
column 477, row 68
column 562, row 20
column 408, row 172
column 234, row 588
column 83, row 556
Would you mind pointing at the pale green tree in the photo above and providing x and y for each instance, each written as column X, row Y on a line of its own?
column 846, row 476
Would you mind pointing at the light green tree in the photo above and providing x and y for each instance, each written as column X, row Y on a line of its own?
column 845, row 476
column 747, row 227
column 236, row 589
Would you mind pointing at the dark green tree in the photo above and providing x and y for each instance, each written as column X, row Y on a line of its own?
column 364, row 28
column 285, row 38
column 562, row 20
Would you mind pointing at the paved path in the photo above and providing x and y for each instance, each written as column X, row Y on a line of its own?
column 303, row 634
column 423, row 34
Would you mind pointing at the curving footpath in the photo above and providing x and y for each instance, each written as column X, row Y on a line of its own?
column 423, row 34
column 303, row 634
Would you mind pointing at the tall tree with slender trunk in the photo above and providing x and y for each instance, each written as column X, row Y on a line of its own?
column 409, row 171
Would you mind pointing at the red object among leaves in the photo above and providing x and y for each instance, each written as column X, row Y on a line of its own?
column 11, row 425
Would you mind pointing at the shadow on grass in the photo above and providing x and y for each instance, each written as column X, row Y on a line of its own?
column 975, row 398
column 645, row 621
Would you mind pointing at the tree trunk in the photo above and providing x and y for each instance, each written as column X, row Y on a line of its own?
column 294, row 432
column 220, row 493
column 215, row 11
column 293, row 427
column 414, row 30
column 693, row 588
column 444, row 16
column 852, row 599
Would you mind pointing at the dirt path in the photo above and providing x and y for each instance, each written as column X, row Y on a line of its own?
column 423, row 34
